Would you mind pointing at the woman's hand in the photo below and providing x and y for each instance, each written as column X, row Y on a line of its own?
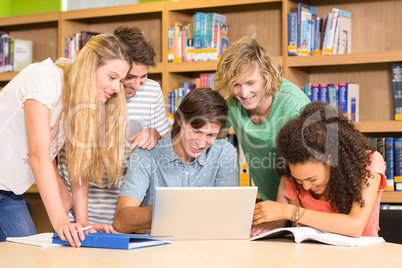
column 265, row 227
column 268, row 211
column 71, row 232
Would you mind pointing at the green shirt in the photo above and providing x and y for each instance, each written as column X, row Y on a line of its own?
column 258, row 141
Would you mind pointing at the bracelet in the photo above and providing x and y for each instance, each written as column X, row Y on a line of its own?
column 296, row 217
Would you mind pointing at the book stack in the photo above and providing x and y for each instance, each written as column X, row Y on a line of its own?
column 15, row 53
column 344, row 96
column 205, row 38
column 391, row 150
column 312, row 35
column 73, row 45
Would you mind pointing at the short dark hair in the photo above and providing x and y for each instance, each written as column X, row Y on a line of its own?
column 201, row 106
column 141, row 49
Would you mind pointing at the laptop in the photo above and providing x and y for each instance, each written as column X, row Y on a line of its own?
column 203, row 213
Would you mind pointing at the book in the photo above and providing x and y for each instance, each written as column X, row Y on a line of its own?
column 22, row 54
column 396, row 76
column 307, row 26
column 292, row 34
column 40, row 240
column 117, row 241
column 398, row 164
column 389, row 162
column 344, row 36
column 305, row 33
column 348, row 100
column 302, row 234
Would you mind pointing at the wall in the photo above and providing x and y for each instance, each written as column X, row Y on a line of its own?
column 23, row 7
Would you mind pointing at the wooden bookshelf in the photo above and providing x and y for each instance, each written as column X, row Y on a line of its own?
column 373, row 48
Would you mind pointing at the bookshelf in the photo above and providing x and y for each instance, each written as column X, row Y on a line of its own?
column 375, row 33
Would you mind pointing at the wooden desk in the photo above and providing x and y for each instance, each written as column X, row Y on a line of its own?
column 213, row 253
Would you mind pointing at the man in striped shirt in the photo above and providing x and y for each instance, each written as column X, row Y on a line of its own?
column 147, row 124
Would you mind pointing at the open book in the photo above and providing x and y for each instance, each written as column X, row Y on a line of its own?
column 97, row 240
column 301, row 234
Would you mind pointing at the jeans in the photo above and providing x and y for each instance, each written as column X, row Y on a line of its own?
column 15, row 220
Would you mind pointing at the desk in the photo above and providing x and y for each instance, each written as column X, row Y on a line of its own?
column 214, row 253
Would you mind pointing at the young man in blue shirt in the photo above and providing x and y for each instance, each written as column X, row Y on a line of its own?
column 189, row 156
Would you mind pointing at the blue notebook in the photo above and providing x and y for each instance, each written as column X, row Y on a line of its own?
column 117, row 241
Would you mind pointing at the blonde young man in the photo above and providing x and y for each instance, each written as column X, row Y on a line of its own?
column 260, row 102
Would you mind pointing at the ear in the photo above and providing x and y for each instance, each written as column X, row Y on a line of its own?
column 329, row 160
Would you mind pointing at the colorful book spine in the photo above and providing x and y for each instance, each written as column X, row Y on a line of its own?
column 389, row 160
column 398, row 164
column 396, row 76
column 315, row 92
column 292, row 34
column 324, row 96
column 333, row 94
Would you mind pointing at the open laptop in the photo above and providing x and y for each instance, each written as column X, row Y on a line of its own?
column 203, row 213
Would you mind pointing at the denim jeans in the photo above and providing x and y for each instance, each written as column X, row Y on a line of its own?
column 15, row 219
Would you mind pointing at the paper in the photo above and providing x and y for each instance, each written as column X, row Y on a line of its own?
column 307, row 233
column 41, row 240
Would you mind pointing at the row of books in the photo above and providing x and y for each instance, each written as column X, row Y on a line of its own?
column 203, row 39
column 175, row 97
column 312, row 35
column 391, row 150
column 344, row 96
column 15, row 53
column 72, row 45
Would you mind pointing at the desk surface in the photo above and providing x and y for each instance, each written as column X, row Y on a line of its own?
column 214, row 253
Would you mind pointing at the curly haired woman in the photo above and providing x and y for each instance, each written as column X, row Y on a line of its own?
column 332, row 179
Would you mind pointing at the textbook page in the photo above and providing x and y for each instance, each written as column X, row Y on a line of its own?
column 41, row 240
column 302, row 234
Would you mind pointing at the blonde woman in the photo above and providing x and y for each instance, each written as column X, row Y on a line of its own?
column 46, row 105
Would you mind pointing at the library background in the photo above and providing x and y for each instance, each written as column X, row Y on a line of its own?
column 345, row 52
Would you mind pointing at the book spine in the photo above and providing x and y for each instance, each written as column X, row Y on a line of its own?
column 324, row 97
column 315, row 92
column 396, row 76
column 342, row 98
column 333, row 95
column 292, row 34
column 389, row 160
column 398, row 163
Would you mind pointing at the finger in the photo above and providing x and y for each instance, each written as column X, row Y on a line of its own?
column 133, row 145
column 75, row 236
column 69, row 238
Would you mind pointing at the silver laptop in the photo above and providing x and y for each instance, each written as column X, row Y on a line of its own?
column 203, row 213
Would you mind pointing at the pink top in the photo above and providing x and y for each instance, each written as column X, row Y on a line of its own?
column 377, row 166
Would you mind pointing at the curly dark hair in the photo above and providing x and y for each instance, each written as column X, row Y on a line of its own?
column 141, row 49
column 322, row 134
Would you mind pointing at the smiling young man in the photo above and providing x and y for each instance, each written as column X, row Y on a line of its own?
column 260, row 102
column 189, row 156
column 146, row 117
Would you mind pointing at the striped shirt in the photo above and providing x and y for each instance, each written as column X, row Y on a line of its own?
column 146, row 109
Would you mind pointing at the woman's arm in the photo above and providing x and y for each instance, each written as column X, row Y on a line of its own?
column 268, row 226
column 37, row 120
column 352, row 224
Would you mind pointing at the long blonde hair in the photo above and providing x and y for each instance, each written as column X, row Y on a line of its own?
column 95, row 132
column 241, row 58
